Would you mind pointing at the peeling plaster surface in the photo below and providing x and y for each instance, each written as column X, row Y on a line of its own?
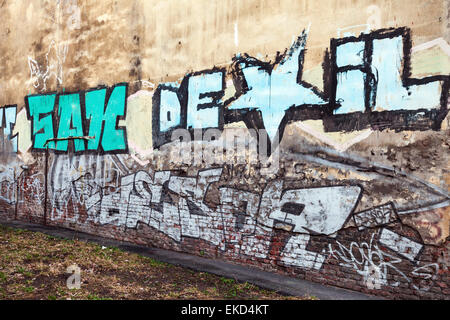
column 314, row 136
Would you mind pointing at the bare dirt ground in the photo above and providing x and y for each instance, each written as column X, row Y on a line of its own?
column 34, row 266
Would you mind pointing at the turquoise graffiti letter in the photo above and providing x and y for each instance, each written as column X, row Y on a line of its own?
column 70, row 123
column 103, row 121
column 42, row 126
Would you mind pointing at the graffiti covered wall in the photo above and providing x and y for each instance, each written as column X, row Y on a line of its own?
column 308, row 138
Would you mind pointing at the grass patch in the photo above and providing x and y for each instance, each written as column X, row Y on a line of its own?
column 227, row 281
column 35, row 266
column 95, row 297
column 28, row 289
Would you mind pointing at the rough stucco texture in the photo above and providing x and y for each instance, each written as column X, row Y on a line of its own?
column 356, row 192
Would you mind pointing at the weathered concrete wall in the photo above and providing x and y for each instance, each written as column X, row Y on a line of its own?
column 354, row 194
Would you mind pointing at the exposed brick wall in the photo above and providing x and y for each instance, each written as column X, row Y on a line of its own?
column 346, row 256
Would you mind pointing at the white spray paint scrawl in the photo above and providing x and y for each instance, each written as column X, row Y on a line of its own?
column 320, row 210
column 403, row 246
column 52, row 67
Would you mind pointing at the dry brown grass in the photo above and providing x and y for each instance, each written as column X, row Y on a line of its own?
column 33, row 266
